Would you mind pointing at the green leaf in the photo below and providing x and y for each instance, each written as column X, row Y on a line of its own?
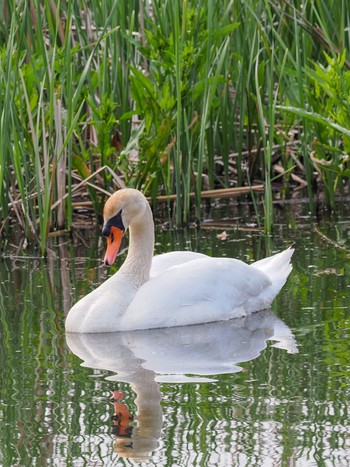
column 315, row 117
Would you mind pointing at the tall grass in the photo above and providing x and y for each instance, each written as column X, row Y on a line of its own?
column 169, row 97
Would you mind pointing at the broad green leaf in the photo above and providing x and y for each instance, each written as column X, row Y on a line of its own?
column 315, row 117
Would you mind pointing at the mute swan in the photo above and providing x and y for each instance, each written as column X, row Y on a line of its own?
column 172, row 289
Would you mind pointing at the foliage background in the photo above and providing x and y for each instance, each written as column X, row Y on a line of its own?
column 171, row 98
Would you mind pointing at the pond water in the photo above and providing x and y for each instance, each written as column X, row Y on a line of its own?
column 270, row 390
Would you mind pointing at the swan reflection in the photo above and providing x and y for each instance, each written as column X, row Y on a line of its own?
column 182, row 354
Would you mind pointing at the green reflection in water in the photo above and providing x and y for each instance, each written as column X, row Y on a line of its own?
column 281, row 408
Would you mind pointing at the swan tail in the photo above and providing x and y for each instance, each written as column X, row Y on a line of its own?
column 277, row 268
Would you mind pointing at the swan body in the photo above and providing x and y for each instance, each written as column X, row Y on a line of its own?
column 172, row 289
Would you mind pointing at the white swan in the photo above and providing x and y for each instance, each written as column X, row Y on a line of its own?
column 172, row 289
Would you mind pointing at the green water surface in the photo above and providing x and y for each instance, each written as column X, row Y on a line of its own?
column 247, row 400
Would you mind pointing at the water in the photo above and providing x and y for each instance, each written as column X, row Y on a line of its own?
column 272, row 390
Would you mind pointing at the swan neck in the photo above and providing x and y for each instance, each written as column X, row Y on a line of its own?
column 141, row 244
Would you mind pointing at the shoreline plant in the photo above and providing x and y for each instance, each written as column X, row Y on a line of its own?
column 173, row 98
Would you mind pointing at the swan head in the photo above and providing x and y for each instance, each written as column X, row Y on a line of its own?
column 124, row 208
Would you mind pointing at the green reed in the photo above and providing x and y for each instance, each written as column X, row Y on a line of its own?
column 196, row 91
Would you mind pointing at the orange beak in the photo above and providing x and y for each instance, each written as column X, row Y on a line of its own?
column 113, row 245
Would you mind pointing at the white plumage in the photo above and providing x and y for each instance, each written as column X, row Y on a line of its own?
column 173, row 289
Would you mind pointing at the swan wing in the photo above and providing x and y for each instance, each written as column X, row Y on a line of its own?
column 165, row 261
column 198, row 291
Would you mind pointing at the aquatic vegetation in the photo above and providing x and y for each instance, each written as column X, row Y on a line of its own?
column 329, row 110
column 173, row 98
